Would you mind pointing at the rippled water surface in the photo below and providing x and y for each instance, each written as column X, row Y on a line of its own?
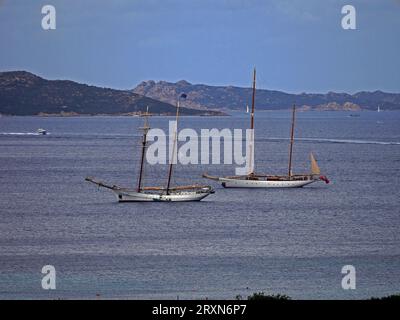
column 292, row 241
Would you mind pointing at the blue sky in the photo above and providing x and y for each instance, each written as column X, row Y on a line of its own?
column 297, row 46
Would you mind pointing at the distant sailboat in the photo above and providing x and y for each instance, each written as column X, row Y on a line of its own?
column 41, row 131
column 247, row 108
column 157, row 193
column 379, row 109
column 254, row 180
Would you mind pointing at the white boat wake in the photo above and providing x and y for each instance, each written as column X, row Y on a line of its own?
column 21, row 134
column 350, row 141
column 119, row 136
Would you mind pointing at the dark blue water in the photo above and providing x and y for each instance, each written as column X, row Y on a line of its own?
column 288, row 241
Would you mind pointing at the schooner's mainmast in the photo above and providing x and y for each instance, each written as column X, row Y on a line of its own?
column 290, row 173
column 145, row 129
column 251, row 162
column 174, row 147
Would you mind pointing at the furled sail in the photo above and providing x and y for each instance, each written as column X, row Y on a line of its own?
column 314, row 165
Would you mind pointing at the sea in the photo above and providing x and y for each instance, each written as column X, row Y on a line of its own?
column 234, row 243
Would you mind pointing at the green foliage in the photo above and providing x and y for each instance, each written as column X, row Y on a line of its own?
column 23, row 93
column 261, row 296
column 393, row 297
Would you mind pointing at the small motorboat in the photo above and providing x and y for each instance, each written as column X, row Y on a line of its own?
column 41, row 131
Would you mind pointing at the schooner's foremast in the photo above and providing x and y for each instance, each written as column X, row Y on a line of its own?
column 145, row 129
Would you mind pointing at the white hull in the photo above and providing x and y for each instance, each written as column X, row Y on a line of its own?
column 177, row 194
column 243, row 183
column 134, row 196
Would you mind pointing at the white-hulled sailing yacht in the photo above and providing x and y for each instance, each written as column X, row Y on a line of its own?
column 255, row 180
column 157, row 193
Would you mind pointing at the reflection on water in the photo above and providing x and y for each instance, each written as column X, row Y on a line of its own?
column 293, row 242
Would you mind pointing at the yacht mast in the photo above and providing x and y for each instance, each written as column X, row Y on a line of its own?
column 291, row 141
column 183, row 95
column 251, row 169
column 145, row 129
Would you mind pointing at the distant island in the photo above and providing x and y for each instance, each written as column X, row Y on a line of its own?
column 201, row 96
column 23, row 93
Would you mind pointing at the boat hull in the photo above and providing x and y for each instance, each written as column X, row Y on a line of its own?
column 133, row 196
column 156, row 194
column 243, row 183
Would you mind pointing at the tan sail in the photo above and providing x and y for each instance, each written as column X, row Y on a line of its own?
column 315, row 170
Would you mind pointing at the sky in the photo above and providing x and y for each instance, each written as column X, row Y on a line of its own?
column 296, row 46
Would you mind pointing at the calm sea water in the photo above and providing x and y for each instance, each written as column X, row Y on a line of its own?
column 292, row 242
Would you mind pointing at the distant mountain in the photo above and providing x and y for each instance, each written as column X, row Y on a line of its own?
column 200, row 96
column 23, row 93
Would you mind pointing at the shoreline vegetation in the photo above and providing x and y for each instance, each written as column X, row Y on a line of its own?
column 262, row 296
column 127, row 114
column 139, row 114
column 282, row 297
column 236, row 98
column 26, row 94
